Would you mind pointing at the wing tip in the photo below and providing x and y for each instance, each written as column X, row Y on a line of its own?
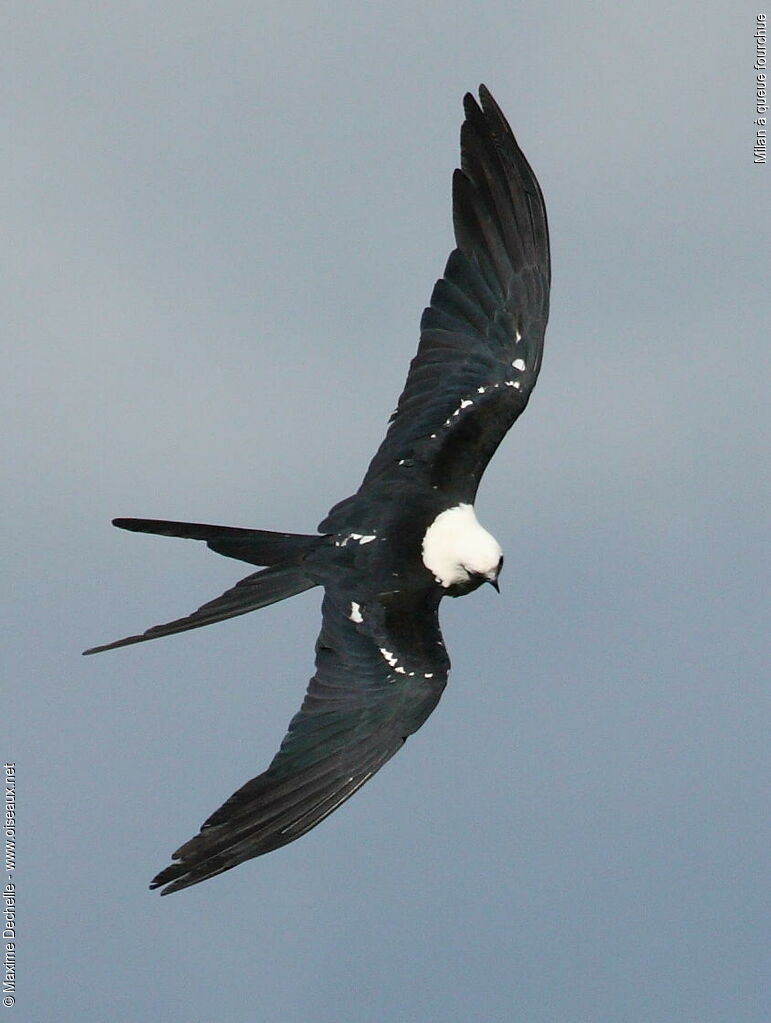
column 168, row 884
column 487, row 100
column 486, row 103
column 469, row 102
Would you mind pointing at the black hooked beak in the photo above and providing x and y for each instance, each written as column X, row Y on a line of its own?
column 494, row 582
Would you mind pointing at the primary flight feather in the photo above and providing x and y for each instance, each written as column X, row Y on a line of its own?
column 408, row 537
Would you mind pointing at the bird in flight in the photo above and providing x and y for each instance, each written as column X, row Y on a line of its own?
column 409, row 536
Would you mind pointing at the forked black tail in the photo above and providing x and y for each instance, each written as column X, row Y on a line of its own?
column 284, row 577
column 255, row 546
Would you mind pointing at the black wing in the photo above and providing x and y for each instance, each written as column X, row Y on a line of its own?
column 362, row 703
column 482, row 336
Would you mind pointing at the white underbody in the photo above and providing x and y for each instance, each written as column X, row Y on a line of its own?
column 456, row 547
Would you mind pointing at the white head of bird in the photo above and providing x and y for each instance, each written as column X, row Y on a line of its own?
column 457, row 550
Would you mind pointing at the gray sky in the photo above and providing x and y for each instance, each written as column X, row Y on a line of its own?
column 222, row 222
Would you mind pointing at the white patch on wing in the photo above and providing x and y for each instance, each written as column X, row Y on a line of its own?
column 518, row 363
column 360, row 538
column 355, row 615
column 455, row 546
column 517, row 334
column 388, row 656
column 465, row 402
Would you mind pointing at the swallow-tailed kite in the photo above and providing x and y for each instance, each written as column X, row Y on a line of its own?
column 387, row 555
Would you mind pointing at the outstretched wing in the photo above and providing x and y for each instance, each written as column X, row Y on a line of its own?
column 482, row 336
column 362, row 703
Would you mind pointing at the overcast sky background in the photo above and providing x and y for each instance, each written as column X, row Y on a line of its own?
column 221, row 225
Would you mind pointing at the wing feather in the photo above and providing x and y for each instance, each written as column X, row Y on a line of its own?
column 486, row 319
column 360, row 707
